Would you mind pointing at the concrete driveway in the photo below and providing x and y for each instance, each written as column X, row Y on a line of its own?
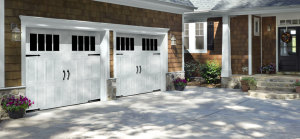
column 194, row 113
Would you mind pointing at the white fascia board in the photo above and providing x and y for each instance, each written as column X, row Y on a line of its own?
column 2, row 44
column 52, row 23
column 246, row 11
column 153, row 5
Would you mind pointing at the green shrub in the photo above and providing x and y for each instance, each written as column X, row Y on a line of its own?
column 250, row 80
column 211, row 71
column 191, row 69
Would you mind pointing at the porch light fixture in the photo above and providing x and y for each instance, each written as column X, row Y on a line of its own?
column 269, row 28
column 15, row 33
column 173, row 41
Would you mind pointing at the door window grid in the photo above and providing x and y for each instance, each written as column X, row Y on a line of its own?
column 125, row 44
column 149, row 44
column 44, row 42
column 83, row 43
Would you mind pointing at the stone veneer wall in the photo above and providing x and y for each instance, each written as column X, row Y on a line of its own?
column 7, row 92
column 171, row 76
column 85, row 10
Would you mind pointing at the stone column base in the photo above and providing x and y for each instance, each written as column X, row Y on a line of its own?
column 9, row 92
column 171, row 76
column 111, row 89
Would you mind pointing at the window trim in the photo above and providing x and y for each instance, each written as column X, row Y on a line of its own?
column 256, row 20
column 192, row 38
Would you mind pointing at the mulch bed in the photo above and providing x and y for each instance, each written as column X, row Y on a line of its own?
column 194, row 83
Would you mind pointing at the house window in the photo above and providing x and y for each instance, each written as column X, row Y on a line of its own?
column 186, row 36
column 256, row 26
column 199, row 36
column 196, row 40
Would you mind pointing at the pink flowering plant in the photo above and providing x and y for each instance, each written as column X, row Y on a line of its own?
column 180, row 82
column 13, row 103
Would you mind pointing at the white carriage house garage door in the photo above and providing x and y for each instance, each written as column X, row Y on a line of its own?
column 62, row 67
column 138, row 64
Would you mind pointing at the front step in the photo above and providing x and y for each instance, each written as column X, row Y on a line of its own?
column 265, row 94
column 276, row 88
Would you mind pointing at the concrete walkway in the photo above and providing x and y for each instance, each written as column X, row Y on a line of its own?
column 194, row 113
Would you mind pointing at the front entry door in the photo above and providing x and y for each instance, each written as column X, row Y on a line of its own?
column 289, row 55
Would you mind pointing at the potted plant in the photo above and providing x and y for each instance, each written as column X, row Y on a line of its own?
column 297, row 85
column 245, row 83
column 16, row 106
column 180, row 84
column 252, row 84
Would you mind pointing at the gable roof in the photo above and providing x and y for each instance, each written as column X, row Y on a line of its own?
column 241, row 4
column 187, row 3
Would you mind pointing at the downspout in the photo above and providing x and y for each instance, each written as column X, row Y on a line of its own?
column 261, row 39
column 2, row 44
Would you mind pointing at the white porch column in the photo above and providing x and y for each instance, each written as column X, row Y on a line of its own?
column 250, row 44
column 226, row 48
column 2, row 45
column 104, row 61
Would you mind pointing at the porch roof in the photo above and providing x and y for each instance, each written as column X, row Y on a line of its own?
column 198, row 16
column 240, row 4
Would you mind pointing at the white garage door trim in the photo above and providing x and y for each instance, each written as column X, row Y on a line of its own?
column 51, row 23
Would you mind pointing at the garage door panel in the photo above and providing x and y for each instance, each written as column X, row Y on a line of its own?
column 63, row 77
column 142, row 60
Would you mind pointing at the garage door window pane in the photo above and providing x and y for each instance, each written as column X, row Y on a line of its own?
column 144, row 44
column 74, row 43
column 80, row 43
column 48, row 42
column 122, row 43
column 33, row 42
column 132, row 44
column 148, row 44
column 93, row 44
column 155, row 44
column 199, row 42
column 118, row 43
column 86, row 43
column 127, row 44
column 151, row 44
column 56, row 42
column 41, row 42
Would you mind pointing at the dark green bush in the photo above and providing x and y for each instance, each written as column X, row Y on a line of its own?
column 211, row 71
column 191, row 69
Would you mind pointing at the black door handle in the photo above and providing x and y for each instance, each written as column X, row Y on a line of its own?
column 137, row 69
column 68, row 74
column 140, row 69
column 64, row 74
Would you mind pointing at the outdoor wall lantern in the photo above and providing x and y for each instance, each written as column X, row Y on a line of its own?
column 173, row 41
column 15, row 32
column 269, row 28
